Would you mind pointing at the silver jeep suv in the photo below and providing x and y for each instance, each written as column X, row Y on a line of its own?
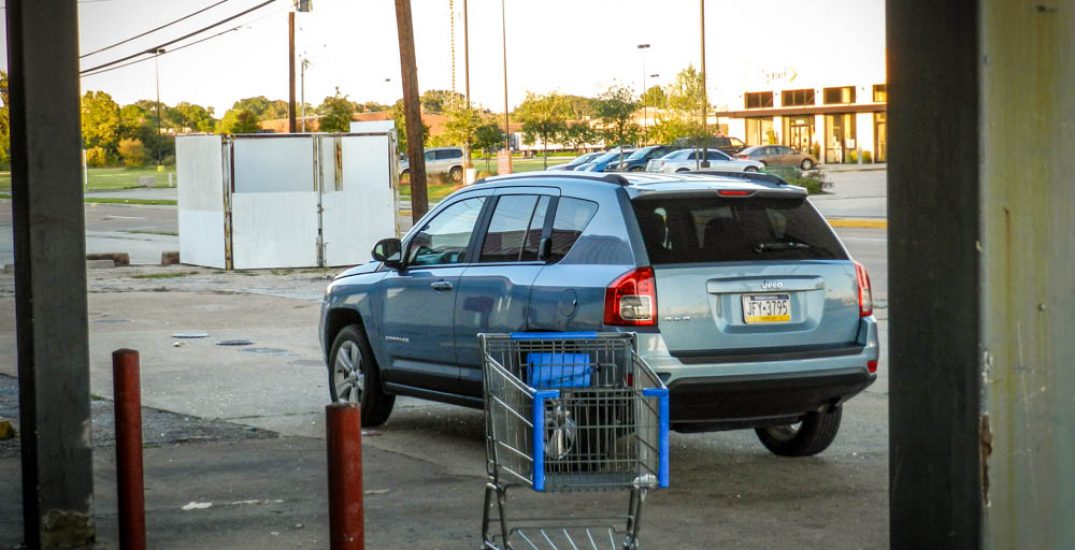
column 442, row 162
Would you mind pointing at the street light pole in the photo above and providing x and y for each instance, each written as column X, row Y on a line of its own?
column 302, row 91
column 466, row 79
column 157, row 78
column 645, row 113
column 705, row 96
column 504, row 47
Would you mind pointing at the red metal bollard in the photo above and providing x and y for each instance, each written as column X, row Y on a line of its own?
column 130, row 491
column 346, row 512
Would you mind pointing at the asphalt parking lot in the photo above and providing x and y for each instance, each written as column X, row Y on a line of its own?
column 241, row 428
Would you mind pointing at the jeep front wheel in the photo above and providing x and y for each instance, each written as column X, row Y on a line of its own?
column 353, row 377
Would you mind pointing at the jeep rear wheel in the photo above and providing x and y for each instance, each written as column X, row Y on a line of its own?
column 813, row 434
column 455, row 174
column 353, row 377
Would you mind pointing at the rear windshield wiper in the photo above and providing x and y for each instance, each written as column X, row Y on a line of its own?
column 780, row 245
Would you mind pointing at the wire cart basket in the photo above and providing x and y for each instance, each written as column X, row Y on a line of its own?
column 577, row 411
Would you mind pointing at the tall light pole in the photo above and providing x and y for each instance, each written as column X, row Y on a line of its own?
column 705, row 96
column 157, row 78
column 302, row 90
column 466, row 77
column 645, row 136
column 504, row 46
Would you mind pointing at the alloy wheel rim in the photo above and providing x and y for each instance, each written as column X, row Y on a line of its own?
column 347, row 373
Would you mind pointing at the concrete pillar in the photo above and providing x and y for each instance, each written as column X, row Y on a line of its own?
column 50, row 273
column 934, row 284
column 1027, row 209
column 981, row 241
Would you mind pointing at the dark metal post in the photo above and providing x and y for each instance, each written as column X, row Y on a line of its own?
column 343, row 425
column 50, row 273
column 934, row 289
column 504, row 47
column 466, row 76
column 157, row 80
column 130, row 491
column 412, row 108
column 291, row 126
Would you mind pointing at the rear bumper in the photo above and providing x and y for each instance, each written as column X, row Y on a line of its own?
column 772, row 386
column 751, row 400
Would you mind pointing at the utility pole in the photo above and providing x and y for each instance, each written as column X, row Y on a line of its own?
column 466, row 77
column 157, row 78
column 302, row 90
column 412, row 109
column 705, row 97
column 504, row 47
column 291, row 71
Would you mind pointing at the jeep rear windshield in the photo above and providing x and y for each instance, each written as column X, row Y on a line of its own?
column 693, row 229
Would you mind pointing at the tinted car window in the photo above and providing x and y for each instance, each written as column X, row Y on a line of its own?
column 712, row 229
column 514, row 226
column 445, row 154
column 572, row 216
column 445, row 238
column 716, row 155
column 429, row 155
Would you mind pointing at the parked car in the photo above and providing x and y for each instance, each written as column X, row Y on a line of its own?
column 686, row 160
column 606, row 162
column 577, row 161
column 730, row 145
column 743, row 298
column 440, row 162
column 638, row 159
column 778, row 155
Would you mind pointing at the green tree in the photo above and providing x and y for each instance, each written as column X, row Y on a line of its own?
column 262, row 107
column 100, row 122
column 654, row 97
column 440, row 101
column 336, row 113
column 195, row 117
column 488, row 138
column 239, row 121
column 683, row 116
column 132, row 151
column 5, row 122
column 579, row 134
column 462, row 125
column 616, row 107
column 543, row 117
column 400, row 118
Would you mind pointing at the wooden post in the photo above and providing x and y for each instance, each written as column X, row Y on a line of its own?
column 291, row 127
column 412, row 110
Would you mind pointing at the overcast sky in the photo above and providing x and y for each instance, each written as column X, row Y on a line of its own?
column 576, row 46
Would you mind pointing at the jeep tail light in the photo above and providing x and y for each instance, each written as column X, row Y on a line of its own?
column 865, row 294
column 631, row 300
column 871, row 366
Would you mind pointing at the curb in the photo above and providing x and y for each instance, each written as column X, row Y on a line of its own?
column 859, row 223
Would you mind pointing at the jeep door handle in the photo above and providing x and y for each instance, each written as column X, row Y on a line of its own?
column 441, row 285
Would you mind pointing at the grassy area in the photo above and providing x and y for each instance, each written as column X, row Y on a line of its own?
column 151, row 202
column 105, row 179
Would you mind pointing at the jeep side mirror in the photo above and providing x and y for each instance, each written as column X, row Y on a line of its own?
column 389, row 251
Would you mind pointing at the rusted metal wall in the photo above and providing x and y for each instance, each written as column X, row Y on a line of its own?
column 1027, row 69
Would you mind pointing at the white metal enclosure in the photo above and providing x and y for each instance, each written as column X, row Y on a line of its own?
column 285, row 201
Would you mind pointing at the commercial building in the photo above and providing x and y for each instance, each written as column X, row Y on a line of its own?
column 837, row 124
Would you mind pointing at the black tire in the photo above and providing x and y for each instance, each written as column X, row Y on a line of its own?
column 750, row 169
column 405, row 176
column 367, row 390
column 806, row 165
column 455, row 174
column 681, row 170
column 814, row 434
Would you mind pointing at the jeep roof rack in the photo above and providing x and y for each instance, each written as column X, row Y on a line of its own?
column 613, row 178
column 750, row 176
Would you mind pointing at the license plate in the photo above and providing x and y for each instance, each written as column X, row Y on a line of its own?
column 766, row 308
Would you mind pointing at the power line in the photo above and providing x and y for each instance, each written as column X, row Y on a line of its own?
column 180, row 39
column 151, row 31
column 128, row 63
column 176, row 49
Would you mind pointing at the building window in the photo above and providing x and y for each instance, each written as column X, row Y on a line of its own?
column 795, row 98
column 843, row 94
column 880, row 93
column 759, row 100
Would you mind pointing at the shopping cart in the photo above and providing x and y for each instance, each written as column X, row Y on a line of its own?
column 570, row 412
